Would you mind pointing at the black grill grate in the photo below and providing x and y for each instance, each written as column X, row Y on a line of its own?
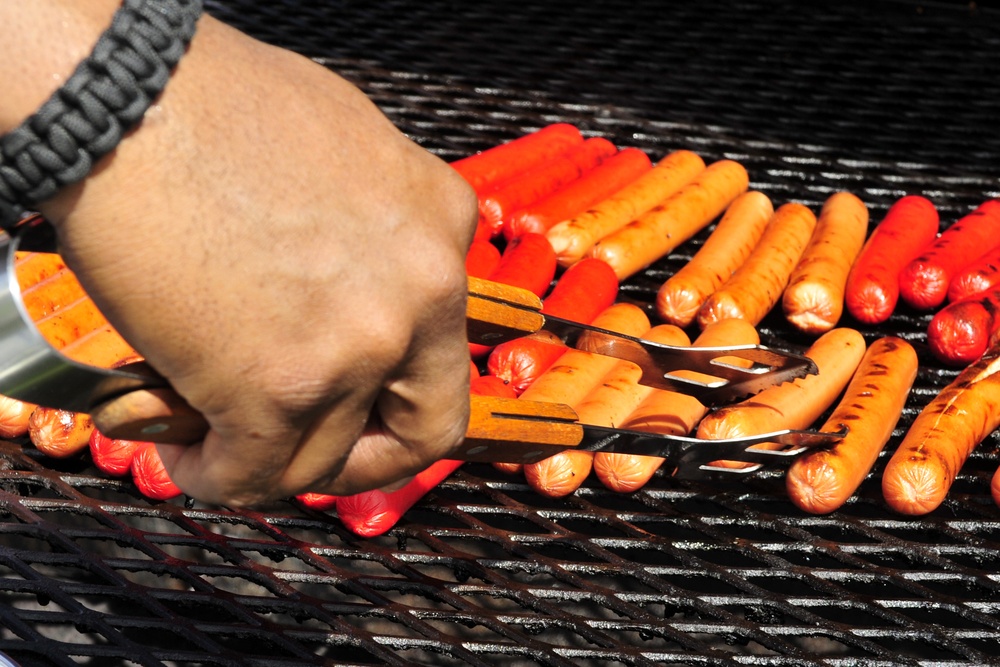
column 484, row 571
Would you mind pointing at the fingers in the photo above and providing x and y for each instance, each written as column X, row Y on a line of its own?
column 367, row 431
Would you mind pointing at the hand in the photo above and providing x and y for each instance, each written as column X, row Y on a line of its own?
column 292, row 264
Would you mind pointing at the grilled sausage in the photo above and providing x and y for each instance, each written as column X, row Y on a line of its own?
column 572, row 239
column 528, row 262
column 568, row 381
column 727, row 247
column 582, row 292
column 374, row 512
column 59, row 433
column 821, row 481
column 150, row 476
column 612, row 174
column 14, row 416
column 978, row 277
column 499, row 163
column 756, row 286
column 497, row 205
column 920, row 472
column 666, row 412
column 669, row 224
column 795, row 404
column 481, row 259
column 960, row 333
column 872, row 290
column 112, row 456
column 923, row 283
column 813, row 301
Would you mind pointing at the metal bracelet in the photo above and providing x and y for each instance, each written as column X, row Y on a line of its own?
column 104, row 98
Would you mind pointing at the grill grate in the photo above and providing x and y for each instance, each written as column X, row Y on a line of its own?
column 484, row 571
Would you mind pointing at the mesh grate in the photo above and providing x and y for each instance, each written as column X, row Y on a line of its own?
column 484, row 571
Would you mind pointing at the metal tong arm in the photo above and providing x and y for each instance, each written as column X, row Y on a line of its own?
column 508, row 430
column 715, row 375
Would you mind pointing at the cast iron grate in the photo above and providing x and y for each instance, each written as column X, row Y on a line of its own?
column 484, row 571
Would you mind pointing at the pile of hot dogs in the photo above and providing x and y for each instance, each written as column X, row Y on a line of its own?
column 569, row 218
column 822, row 271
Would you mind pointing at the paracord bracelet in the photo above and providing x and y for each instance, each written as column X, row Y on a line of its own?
column 103, row 99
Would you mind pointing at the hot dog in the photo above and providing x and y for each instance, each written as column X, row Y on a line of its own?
column 481, row 259
column 666, row 412
column 923, row 283
column 497, row 205
column 621, row 472
column 59, row 433
column 568, row 381
column 519, row 362
column 756, row 286
column 813, row 301
column 14, row 416
column 978, row 277
column 872, row 290
column 664, row 227
column 563, row 473
column 795, row 404
column 727, row 247
column 572, row 239
column 582, row 292
column 498, row 163
column 112, row 456
column 920, row 472
column 610, row 403
column 821, row 481
column 960, row 333
column 613, row 173
column 150, row 476
column 529, row 262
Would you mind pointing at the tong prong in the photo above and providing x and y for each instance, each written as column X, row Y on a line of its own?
column 498, row 313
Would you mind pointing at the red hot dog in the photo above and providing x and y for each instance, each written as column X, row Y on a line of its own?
column 496, row 206
column 923, row 283
column 607, row 178
column 494, row 165
column 872, row 290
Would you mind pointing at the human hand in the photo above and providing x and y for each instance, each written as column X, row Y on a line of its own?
column 292, row 264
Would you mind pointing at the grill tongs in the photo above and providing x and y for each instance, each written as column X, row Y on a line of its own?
column 520, row 431
column 133, row 402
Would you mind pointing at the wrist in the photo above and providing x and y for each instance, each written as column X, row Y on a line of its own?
column 104, row 98
column 44, row 40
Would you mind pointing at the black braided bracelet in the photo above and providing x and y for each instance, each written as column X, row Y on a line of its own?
column 103, row 99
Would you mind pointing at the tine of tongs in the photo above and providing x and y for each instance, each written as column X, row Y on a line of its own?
column 727, row 374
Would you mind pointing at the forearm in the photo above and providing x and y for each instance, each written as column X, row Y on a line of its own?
column 43, row 41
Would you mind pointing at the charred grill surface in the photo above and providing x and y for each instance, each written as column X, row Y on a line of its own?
column 880, row 98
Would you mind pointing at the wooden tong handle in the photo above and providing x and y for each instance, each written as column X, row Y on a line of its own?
column 510, row 430
column 496, row 313
column 150, row 415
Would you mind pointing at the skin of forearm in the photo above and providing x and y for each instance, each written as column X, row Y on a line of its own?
column 43, row 41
